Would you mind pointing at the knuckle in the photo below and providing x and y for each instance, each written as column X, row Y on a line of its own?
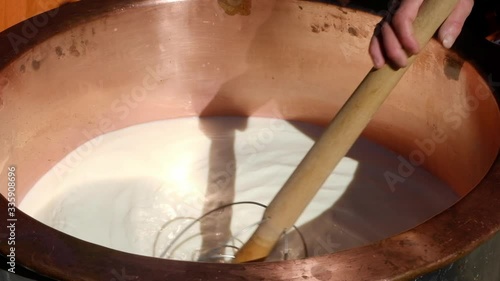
column 395, row 56
column 456, row 26
column 399, row 20
column 392, row 55
column 408, row 44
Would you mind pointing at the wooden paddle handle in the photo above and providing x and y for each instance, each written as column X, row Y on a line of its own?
column 336, row 140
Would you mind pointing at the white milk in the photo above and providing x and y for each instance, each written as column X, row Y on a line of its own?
column 130, row 183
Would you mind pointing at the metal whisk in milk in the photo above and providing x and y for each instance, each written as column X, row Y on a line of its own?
column 138, row 188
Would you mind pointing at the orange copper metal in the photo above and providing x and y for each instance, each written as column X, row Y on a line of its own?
column 97, row 66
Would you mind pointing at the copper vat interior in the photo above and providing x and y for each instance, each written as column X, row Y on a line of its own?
column 283, row 59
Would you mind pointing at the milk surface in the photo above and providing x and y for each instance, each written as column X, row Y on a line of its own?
column 138, row 188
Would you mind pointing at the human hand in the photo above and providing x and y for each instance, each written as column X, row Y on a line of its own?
column 393, row 41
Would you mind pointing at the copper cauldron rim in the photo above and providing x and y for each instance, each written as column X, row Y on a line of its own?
column 431, row 245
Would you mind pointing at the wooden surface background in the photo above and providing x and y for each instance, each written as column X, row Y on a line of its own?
column 14, row 11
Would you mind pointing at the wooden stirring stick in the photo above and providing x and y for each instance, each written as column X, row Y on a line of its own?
column 336, row 140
